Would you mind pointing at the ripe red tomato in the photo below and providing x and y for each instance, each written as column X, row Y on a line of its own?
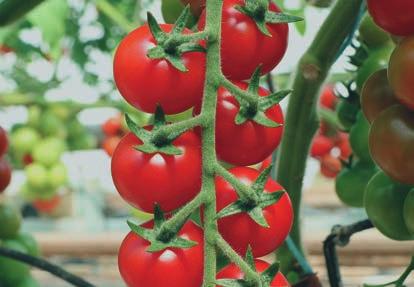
column 232, row 271
column 4, row 143
column 240, row 230
column 401, row 71
column 342, row 142
column 47, row 205
column 146, row 83
column 110, row 144
column 5, row 174
column 330, row 166
column 250, row 142
column 145, row 179
column 255, row 48
column 265, row 164
column 321, row 145
column 112, row 126
column 328, row 99
column 172, row 267
column 395, row 17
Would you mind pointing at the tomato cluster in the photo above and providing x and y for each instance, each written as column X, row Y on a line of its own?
column 113, row 130
column 158, row 73
column 14, row 273
column 5, row 169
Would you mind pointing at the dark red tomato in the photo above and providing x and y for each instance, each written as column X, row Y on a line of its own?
column 328, row 99
column 112, row 126
column 244, row 47
column 321, row 145
column 250, row 142
column 5, row 174
column 145, row 82
column 47, row 205
column 401, row 71
column 391, row 143
column 27, row 159
column 395, row 17
column 172, row 267
column 4, row 143
column 232, row 271
column 109, row 144
column 377, row 95
column 330, row 166
column 240, row 230
column 169, row 180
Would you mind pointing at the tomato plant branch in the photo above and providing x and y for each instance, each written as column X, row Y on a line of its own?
column 238, row 260
column 44, row 265
column 301, row 119
column 112, row 13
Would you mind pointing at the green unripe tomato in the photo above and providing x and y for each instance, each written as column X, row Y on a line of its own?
column 409, row 211
column 75, row 129
column 33, row 116
column 24, row 139
column 47, row 152
column 28, row 281
column 384, row 204
column 359, row 138
column 347, row 111
column 351, row 183
column 12, row 271
column 57, row 176
column 371, row 34
column 172, row 9
column 10, row 221
column 37, row 175
column 85, row 141
column 52, row 125
column 28, row 241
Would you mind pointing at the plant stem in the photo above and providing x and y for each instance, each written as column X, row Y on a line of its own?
column 301, row 119
column 238, row 260
column 112, row 13
column 213, row 75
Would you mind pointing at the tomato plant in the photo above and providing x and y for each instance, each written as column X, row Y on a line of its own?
column 138, row 76
column 5, row 174
column 409, row 211
column 184, row 267
column 401, row 71
column 396, row 17
column 240, row 30
column 237, row 229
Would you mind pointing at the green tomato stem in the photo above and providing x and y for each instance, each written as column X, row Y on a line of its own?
column 301, row 119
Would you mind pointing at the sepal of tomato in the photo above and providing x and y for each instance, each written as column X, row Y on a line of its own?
column 384, row 204
column 270, row 276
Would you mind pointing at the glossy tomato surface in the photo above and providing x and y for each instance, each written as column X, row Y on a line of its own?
column 396, row 16
column 391, row 143
column 145, row 82
column 250, row 142
column 232, row 271
column 240, row 230
column 244, row 47
column 172, row 267
column 145, row 179
column 401, row 72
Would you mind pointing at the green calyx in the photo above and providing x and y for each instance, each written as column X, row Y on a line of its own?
column 259, row 11
column 171, row 46
column 159, row 237
column 254, row 207
column 255, row 109
column 154, row 141
column 266, row 277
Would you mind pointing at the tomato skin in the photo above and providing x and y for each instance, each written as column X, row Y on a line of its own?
column 377, row 95
column 12, row 271
column 5, row 174
column 10, row 221
column 359, row 138
column 250, row 142
column 330, row 166
column 237, row 229
column 265, row 164
column 321, row 145
column 4, row 143
column 396, row 17
column 232, row 271
column 342, row 142
column 239, row 30
column 384, row 201
column 109, row 144
column 371, row 34
column 145, row 179
column 112, row 126
column 391, row 140
column 351, row 183
column 401, row 72
column 328, row 99
column 409, row 211
column 145, row 82
column 47, row 205
column 171, row 267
